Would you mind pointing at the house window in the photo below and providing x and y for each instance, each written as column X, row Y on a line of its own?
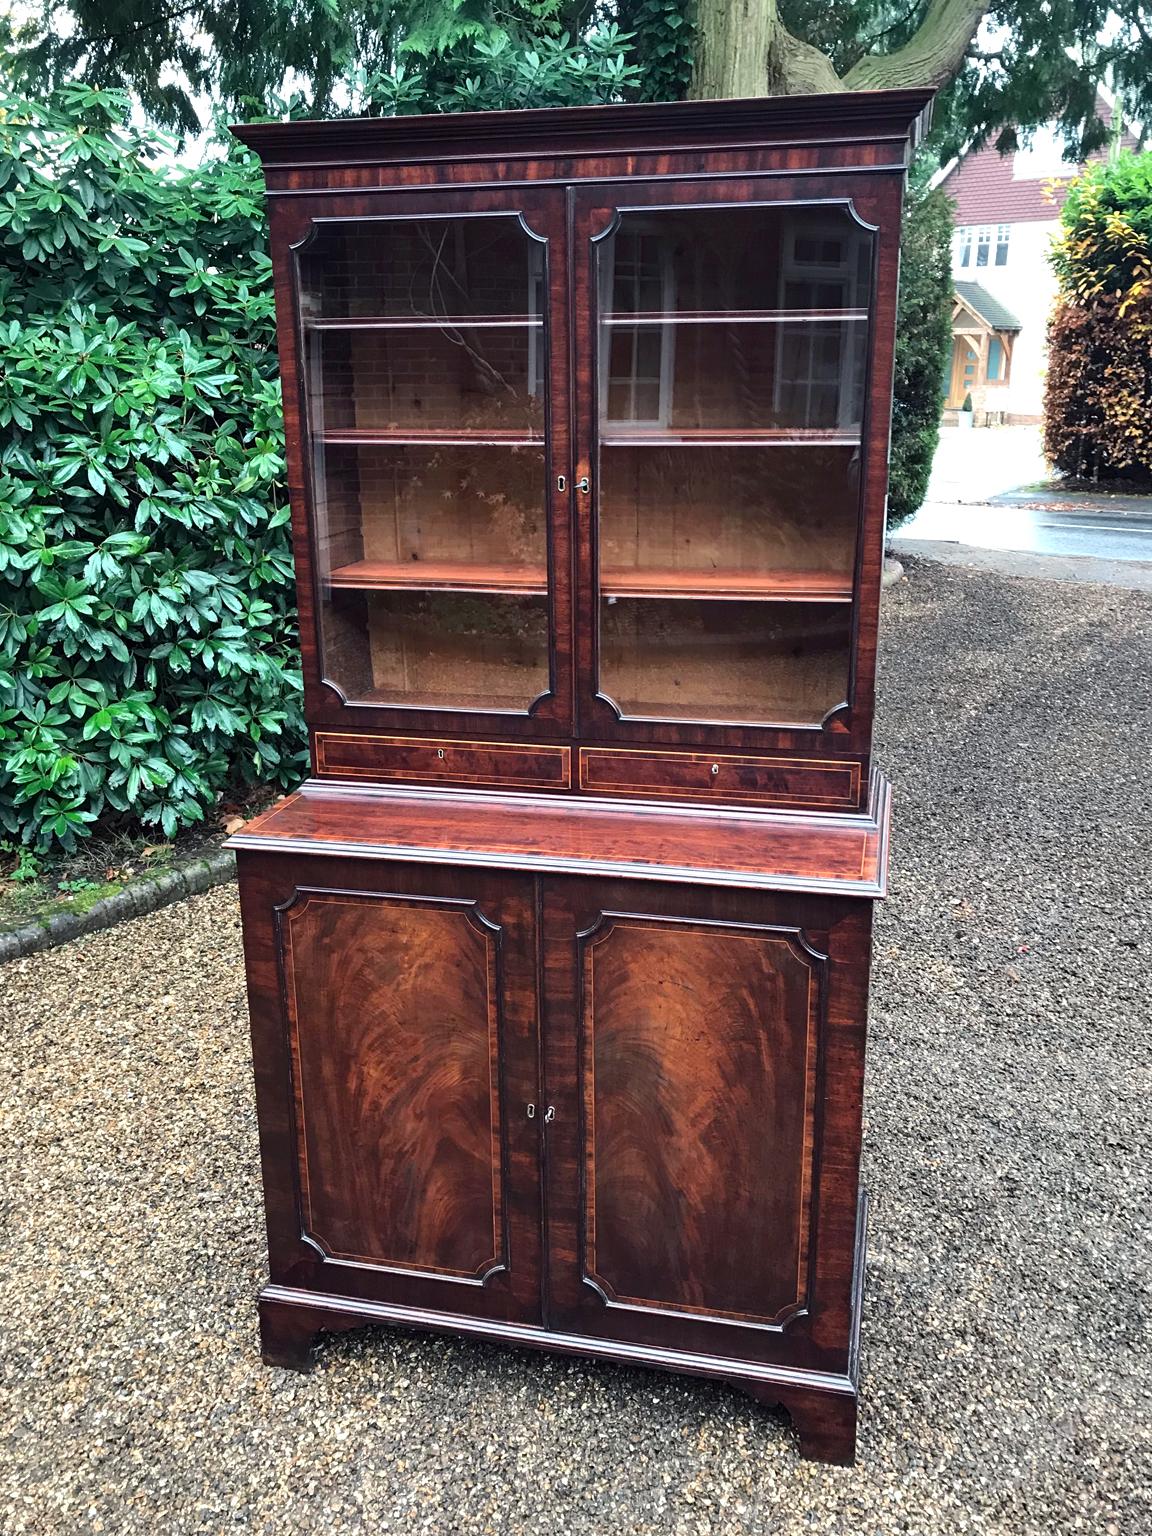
column 1042, row 157
column 982, row 245
column 997, row 361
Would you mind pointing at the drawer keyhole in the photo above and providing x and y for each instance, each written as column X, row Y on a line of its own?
column 715, row 768
column 440, row 752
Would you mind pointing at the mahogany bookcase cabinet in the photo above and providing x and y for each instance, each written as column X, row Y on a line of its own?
column 558, row 963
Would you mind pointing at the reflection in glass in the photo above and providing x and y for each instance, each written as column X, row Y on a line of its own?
column 734, row 318
column 732, row 359
column 405, row 377
column 682, row 377
column 420, row 269
column 425, row 350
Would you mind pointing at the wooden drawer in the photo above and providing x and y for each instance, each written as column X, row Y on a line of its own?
column 406, row 759
column 720, row 777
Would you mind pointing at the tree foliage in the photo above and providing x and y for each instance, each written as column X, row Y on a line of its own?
column 504, row 69
column 923, row 346
column 1105, row 244
column 1025, row 66
column 178, row 57
column 146, row 646
column 1098, row 399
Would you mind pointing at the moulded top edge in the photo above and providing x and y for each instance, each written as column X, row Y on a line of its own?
column 568, row 130
column 800, row 851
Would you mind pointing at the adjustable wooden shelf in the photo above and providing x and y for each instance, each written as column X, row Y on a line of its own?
column 558, row 964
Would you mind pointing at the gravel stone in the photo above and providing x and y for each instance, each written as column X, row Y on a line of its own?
column 1007, row 1360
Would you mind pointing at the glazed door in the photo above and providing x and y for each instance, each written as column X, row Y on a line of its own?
column 724, row 390
column 430, row 357
column 394, row 1026
column 686, row 1033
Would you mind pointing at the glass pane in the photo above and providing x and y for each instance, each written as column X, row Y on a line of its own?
column 426, row 359
column 441, row 650
column 432, row 512
column 425, row 378
column 741, row 662
column 677, row 514
column 732, row 359
column 419, row 268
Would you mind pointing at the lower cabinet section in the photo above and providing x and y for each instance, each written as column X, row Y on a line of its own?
column 616, row 1118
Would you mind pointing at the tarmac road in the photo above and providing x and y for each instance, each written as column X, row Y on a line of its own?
column 1041, row 523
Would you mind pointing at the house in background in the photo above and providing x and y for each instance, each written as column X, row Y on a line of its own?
column 1007, row 211
column 984, row 334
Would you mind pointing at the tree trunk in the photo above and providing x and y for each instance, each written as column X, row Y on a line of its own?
column 744, row 49
column 732, row 46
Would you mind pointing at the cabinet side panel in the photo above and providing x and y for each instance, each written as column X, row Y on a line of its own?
column 393, row 1023
column 699, row 1070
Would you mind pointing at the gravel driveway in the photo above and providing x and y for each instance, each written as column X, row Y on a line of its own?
column 1007, row 1358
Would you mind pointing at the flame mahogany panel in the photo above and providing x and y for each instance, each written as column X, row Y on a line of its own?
column 394, row 1015
column 699, row 1078
column 704, row 1051
column 395, row 1045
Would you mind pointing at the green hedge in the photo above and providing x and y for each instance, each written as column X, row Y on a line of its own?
column 923, row 347
column 1098, row 396
column 147, row 637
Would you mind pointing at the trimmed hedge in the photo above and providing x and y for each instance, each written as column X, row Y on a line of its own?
column 1098, row 399
column 147, row 635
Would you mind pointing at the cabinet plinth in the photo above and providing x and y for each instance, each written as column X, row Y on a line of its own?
column 558, row 964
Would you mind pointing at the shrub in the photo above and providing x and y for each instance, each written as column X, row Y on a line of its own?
column 923, row 344
column 1105, row 244
column 1098, row 398
column 146, row 619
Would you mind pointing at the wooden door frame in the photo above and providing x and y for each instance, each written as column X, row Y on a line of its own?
column 975, row 339
column 292, row 224
column 594, row 209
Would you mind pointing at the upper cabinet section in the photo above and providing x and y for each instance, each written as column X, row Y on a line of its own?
column 587, row 416
column 425, row 359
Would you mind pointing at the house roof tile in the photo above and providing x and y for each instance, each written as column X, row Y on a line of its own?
column 982, row 304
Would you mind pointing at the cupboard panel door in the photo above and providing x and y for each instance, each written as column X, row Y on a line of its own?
column 697, row 1076
column 408, row 1035
column 686, row 1043
column 393, row 1019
